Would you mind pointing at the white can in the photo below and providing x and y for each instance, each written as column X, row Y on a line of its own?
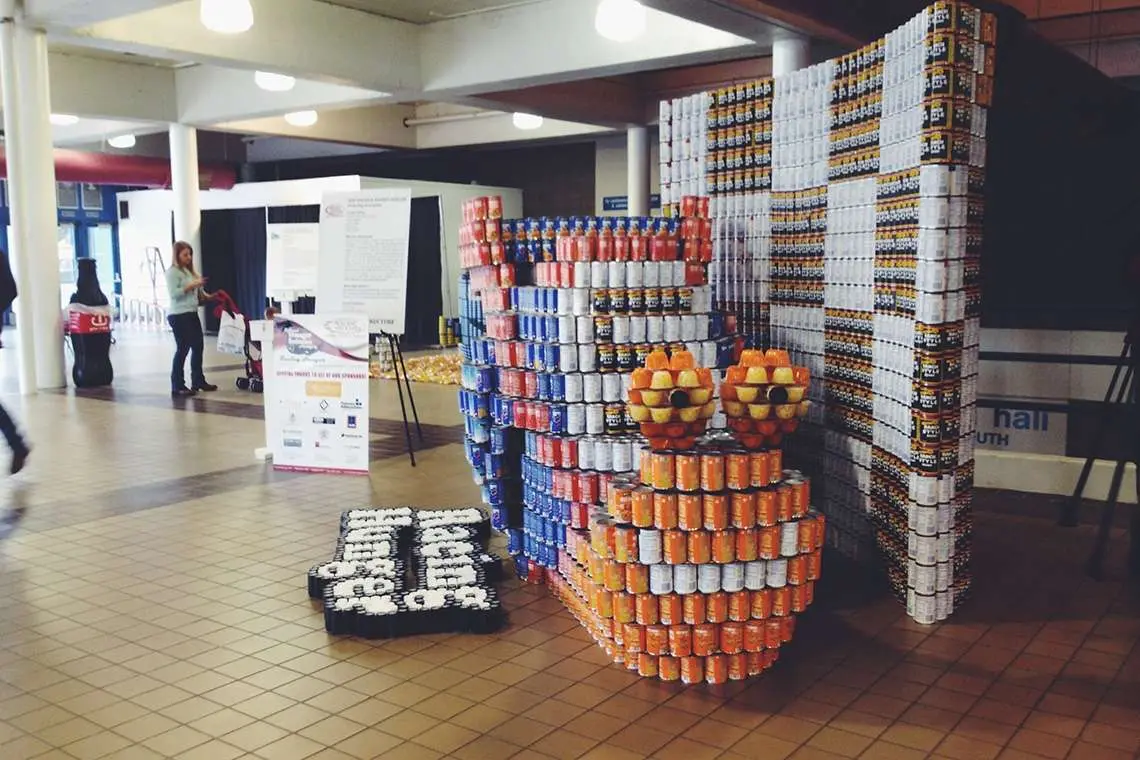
column 635, row 456
column 587, row 357
column 586, row 453
column 599, row 275
column 637, row 329
column 923, row 549
column 634, row 274
column 685, row 579
column 671, row 328
column 568, row 360
column 732, row 577
column 755, row 573
column 660, row 579
column 565, row 301
column 708, row 353
column 688, row 328
column 611, row 388
column 603, row 455
column 595, row 425
column 581, row 274
column 651, row 274
column 592, row 388
column 943, row 605
column 923, row 520
column 623, row 456
column 621, row 329
column 574, row 389
column 654, row 329
column 790, row 539
column 575, row 419
column 777, row 575
column 708, row 578
column 700, row 326
column 649, row 551
column 921, row 578
column 616, row 274
column 580, row 301
column 566, row 331
column 584, row 329
column 922, row 608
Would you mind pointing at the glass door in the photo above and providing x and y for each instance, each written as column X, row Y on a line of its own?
column 101, row 247
column 65, row 244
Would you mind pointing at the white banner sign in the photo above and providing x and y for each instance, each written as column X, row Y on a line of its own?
column 363, row 266
column 316, row 401
column 291, row 258
column 1025, row 431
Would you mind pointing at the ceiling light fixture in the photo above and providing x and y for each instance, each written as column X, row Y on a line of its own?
column 271, row 82
column 64, row 119
column 122, row 142
column 226, row 16
column 620, row 20
column 301, row 118
column 526, row 121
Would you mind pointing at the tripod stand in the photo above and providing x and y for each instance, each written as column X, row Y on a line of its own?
column 403, row 382
column 1122, row 394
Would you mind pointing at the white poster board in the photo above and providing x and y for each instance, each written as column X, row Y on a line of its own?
column 363, row 263
column 291, row 257
column 316, row 399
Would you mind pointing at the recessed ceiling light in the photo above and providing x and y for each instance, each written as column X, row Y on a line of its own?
column 302, row 118
column 226, row 16
column 64, row 119
column 620, row 20
column 526, row 121
column 271, row 82
column 122, row 142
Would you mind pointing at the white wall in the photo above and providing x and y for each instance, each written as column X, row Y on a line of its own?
column 451, row 198
column 610, row 169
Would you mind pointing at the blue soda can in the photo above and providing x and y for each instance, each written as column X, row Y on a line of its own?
column 497, row 437
column 558, row 387
column 530, row 358
column 557, row 418
column 514, row 541
column 551, row 355
column 544, row 388
column 522, row 567
column 549, row 530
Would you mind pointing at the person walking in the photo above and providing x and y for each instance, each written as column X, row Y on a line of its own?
column 185, row 287
column 16, row 442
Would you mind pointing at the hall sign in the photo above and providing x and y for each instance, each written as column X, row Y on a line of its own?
column 1023, row 431
column 400, row 572
column 621, row 202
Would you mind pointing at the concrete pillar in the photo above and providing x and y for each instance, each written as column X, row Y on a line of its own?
column 36, row 199
column 790, row 54
column 17, row 247
column 637, row 168
column 185, row 183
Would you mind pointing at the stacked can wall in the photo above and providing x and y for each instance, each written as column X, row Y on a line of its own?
column 847, row 207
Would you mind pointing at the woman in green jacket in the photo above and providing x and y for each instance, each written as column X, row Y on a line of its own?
column 185, row 286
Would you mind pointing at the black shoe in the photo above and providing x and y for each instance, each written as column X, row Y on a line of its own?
column 182, row 392
column 205, row 387
column 19, row 459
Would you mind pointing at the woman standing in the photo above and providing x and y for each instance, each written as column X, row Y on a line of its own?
column 184, row 286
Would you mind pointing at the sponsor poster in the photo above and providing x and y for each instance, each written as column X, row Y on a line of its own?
column 291, row 258
column 363, row 266
column 316, row 402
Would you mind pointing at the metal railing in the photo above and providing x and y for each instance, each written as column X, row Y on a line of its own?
column 139, row 313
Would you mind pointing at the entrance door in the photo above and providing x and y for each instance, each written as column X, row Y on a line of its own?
column 65, row 245
column 101, row 247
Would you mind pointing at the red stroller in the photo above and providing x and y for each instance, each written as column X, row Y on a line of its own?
column 253, row 380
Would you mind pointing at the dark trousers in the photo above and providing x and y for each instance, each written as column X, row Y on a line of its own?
column 10, row 433
column 188, row 339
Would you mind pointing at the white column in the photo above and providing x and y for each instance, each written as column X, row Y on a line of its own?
column 40, row 215
column 637, row 168
column 185, row 183
column 790, row 54
column 17, row 248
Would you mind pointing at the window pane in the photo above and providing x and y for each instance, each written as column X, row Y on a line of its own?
column 92, row 197
column 67, row 194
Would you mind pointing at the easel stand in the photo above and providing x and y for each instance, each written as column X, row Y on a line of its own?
column 404, row 384
column 1121, row 397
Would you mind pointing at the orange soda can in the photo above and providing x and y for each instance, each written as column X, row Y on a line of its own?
column 784, row 503
column 788, row 628
column 688, row 476
column 781, row 602
column 753, row 636
column 712, row 472
column 797, row 570
column 603, row 601
column 669, row 668
column 692, row 670
column 799, row 598
column 743, row 509
column 716, row 511
column 800, row 497
column 768, row 546
column 740, row 606
column 637, row 578
column 645, row 609
column 690, row 511
column 762, row 604
column 614, row 579
column 625, row 544
column 807, row 535
column 773, row 633
column 664, row 472
column 759, row 473
column 776, row 464
column 731, row 638
column 770, row 657
column 624, row 607
column 670, row 609
column 767, row 512
column 694, row 608
column 746, row 550
column 641, row 507
column 723, row 546
column 755, row 662
column 596, row 567
column 716, row 669
column 665, row 510
column 809, row 593
column 737, row 470
column 814, row 565
column 820, row 530
column 657, row 639
column 675, row 547
column 705, row 639
column 633, row 638
column 716, row 607
column 680, row 640
column 645, row 466
column 700, row 547
column 737, row 666
column 647, row 665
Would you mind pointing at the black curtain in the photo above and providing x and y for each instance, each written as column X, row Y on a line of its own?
column 294, row 215
column 233, row 258
column 218, row 265
column 425, row 273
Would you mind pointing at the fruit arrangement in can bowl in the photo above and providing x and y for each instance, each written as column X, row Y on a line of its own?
column 671, row 399
column 763, row 397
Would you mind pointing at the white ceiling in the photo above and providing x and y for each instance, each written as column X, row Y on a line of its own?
column 427, row 11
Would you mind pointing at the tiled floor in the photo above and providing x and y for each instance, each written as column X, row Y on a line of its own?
column 153, row 604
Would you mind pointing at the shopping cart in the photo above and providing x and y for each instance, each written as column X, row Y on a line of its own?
column 254, row 379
